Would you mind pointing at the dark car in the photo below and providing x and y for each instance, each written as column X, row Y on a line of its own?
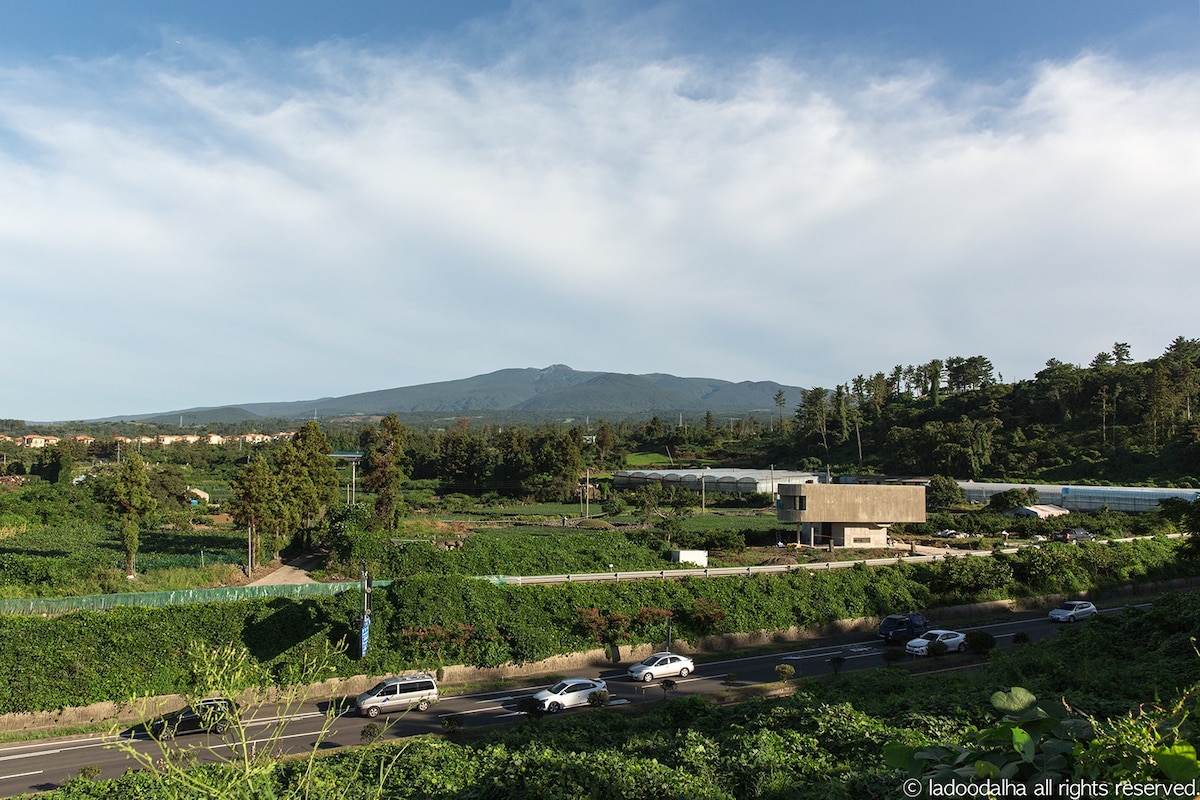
column 1072, row 535
column 215, row 714
column 900, row 628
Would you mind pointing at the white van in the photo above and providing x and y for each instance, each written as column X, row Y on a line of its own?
column 398, row 694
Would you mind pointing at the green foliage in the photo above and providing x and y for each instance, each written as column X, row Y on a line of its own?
column 785, row 672
column 1014, row 498
column 371, row 732
column 980, row 642
column 1050, row 743
column 943, row 492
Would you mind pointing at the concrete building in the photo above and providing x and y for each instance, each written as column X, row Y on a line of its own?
column 848, row 515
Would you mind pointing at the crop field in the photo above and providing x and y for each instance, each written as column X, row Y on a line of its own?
column 65, row 560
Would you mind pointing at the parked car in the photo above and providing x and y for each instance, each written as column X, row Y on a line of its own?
column 568, row 693
column 662, row 665
column 955, row 642
column 398, row 694
column 1073, row 610
column 1072, row 535
column 902, row 627
column 214, row 714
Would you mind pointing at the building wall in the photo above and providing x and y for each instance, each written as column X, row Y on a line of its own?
column 848, row 515
column 846, row 503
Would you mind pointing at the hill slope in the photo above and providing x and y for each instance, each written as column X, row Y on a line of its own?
column 556, row 388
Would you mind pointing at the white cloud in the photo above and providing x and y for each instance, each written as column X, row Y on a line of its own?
column 233, row 226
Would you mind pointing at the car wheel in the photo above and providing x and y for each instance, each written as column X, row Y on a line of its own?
column 683, row 672
column 962, row 647
column 373, row 712
column 554, row 707
column 647, row 677
column 1071, row 618
column 423, row 705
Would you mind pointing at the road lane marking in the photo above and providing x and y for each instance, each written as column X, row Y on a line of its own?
column 21, row 775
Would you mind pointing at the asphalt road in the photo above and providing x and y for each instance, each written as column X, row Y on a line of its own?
column 47, row 763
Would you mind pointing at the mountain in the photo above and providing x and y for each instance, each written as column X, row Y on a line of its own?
column 553, row 389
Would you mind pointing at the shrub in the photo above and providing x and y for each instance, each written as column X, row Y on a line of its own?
column 980, row 642
column 785, row 672
column 598, row 698
column 90, row 772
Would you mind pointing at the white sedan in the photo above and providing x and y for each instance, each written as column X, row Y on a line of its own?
column 661, row 665
column 955, row 642
column 568, row 693
column 1073, row 610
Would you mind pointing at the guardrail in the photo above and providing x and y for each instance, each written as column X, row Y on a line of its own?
column 773, row 569
column 718, row 572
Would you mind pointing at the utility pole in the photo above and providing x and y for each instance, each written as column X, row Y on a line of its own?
column 365, row 630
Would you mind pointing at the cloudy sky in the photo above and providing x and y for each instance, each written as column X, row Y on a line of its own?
column 290, row 199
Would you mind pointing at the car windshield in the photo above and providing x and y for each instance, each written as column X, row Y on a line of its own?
column 651, row 661
column 929, row 637
column 559, row 687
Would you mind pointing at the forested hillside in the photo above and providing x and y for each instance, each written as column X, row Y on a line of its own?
column 1114, row 420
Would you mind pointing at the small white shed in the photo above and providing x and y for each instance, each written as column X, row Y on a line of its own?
column 697, row 557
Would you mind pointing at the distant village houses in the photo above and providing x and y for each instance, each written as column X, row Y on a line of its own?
column 36, row 440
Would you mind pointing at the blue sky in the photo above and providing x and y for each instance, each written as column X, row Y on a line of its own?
column 213, row 203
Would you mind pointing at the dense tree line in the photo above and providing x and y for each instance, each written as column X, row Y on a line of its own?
column 1115, row 420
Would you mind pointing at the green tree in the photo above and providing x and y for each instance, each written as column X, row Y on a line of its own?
column 557, row 465
column 943, row 492
column 55, row 464
column 813, row 414
column 257, row 504
column 321, row 482
column 132, row 503
column 606, row 439
column 383, row 469
column 513, row 476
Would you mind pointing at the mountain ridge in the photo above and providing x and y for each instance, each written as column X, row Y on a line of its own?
column 556, row 388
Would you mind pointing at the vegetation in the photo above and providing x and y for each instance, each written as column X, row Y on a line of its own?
column 80, row 518
column 428, row 620
column 858, row 736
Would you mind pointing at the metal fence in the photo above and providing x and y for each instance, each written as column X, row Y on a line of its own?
column 58, row 605
column 48, row 606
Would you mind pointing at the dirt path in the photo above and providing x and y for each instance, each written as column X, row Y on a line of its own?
column 292, row 571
